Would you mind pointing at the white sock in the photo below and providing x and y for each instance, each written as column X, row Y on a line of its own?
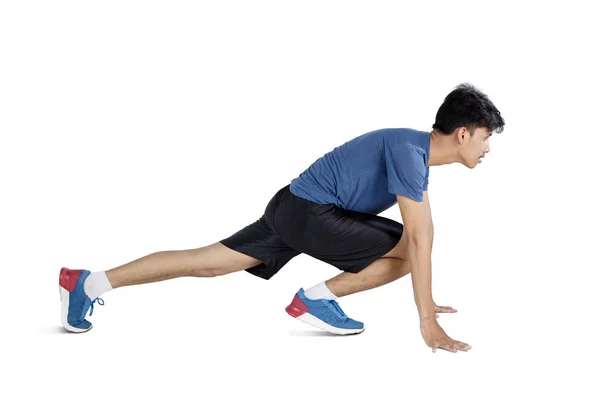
column 320, row 291
column 96, row 284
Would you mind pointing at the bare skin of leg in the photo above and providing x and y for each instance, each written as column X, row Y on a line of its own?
column 391, row 266
column 209, row 261
column 380, row 272
column 217, row 259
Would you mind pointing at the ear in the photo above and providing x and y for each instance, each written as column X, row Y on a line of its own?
column 461, row 133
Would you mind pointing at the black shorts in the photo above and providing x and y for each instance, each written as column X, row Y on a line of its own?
column 348, row 240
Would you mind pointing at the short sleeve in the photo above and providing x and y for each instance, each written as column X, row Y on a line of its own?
column 406, row 170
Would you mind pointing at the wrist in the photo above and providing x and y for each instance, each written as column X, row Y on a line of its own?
column 427, row 319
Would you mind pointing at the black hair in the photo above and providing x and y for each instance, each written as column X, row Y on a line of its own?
column 467, row 106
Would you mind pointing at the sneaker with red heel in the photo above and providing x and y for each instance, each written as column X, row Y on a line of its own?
column 324, row 314
column 75, row 303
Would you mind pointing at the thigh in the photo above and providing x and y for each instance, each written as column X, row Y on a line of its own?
column 348, row 240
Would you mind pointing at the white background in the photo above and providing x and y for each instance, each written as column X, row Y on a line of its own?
column 135, row 127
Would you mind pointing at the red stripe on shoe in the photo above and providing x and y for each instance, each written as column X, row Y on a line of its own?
column 68, row 278
column 297, row 308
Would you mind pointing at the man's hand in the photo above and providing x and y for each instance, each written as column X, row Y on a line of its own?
column 435, row 337
column 443, row 309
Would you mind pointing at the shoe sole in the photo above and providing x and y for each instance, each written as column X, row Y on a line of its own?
column 310, row 319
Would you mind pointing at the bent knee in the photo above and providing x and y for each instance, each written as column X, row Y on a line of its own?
column 400, row 251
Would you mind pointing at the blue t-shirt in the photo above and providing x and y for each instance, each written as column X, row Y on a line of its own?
column 366, row 173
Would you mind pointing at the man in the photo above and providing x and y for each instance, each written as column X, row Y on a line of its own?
column 330, row 212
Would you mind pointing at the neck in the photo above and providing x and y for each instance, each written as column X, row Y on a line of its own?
column 442, row 149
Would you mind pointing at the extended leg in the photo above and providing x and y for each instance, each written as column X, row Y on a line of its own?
column 209, row 261
column 78, row 293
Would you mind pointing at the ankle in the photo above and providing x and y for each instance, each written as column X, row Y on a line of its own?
column 320, row 291
column 96, row 284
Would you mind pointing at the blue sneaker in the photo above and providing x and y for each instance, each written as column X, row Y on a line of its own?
column 324, row 314
column 75, row 303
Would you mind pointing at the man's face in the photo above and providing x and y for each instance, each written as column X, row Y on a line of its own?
column 475, row 147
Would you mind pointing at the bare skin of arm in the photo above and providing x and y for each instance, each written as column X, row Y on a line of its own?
column 418, row 226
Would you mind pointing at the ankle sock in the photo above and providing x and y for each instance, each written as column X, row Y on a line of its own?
column 96, row 284
column 320, row 291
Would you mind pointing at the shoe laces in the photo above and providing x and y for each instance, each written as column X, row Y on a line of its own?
column 337, row 307
column 97, row 299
